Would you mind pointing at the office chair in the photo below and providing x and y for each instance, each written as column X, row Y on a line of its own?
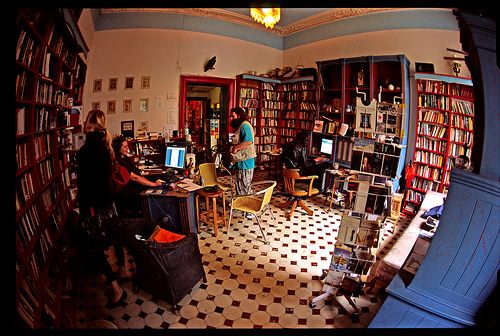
column 255, row 204
column 297, row 189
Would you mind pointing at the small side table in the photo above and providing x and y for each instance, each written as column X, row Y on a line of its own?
column 205, row 216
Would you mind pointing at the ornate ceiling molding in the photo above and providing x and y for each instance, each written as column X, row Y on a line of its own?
column 236, row 18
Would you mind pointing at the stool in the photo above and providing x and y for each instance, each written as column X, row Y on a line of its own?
column 205, row 216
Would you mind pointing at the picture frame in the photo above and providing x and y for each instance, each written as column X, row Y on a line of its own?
column 97, row 85
column 366, row 116
column 111, row 106
column 144, row 105
column 145, row 82
column 113, row 84
column 129, row 83
column 127, row 105
column 127, row 128
column 96, row 105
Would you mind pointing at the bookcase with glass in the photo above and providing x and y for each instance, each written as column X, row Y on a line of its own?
column 49, row 80
column 444, row 131
column 363, row 97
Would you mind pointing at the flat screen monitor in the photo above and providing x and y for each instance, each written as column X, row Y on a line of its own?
column 326, row 146
column 175, row 157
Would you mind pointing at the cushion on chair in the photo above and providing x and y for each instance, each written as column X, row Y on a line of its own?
column 303, row 190
column 165, row 236
column 248, row 204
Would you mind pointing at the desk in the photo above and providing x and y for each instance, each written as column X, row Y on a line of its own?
column 172, row 210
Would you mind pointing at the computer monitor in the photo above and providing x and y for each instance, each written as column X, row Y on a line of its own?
column 326, row 146
column 175, row 157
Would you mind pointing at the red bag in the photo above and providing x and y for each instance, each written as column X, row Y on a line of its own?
column 121, row 177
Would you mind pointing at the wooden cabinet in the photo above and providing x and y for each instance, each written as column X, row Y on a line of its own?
column 279, row 109
column 363, row 98
column 49, row 76
column 444, row 130
column 148, row 152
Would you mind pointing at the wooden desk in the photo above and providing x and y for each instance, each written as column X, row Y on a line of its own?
column 172, row 210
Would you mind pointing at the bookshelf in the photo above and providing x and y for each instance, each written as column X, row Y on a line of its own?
column 50, row 76
column 279, row 109
column 444, row 130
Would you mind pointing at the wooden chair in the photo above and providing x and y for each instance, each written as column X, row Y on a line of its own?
column 297, row 187
column 208, row 173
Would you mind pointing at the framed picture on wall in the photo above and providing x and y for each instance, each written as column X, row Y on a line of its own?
column 144, row 104
column 111, row 106
column 127, row 105
column 128, row 128
column 145, row 82
column 129, row 83
column 97, row 85
column 96, row 105
column 113, row 82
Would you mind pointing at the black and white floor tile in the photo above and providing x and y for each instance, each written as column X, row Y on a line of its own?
column 251, row 284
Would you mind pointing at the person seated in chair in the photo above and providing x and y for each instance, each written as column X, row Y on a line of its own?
column 128, row 200
column 294, row 156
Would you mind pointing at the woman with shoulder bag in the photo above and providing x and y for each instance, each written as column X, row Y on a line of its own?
column 243, row 150
column 98, row 213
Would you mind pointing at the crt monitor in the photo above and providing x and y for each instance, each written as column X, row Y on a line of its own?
column 175, row 157
column 326, row 146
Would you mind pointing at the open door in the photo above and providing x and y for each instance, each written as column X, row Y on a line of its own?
column 198, row 105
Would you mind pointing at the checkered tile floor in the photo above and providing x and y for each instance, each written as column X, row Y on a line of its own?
column 251, row 284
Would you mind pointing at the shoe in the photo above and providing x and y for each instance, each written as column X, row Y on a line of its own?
column 112, row 304
column 248, row 216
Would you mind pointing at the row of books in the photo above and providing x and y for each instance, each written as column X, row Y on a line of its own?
column 431, row 130
column 26, row 48
column 428, row 172
column 461, row 136
column 28, row 225
column 431, row 144
column 433, row 116
column 429, row 158
column 42, row 145
column 460, row 106
column 425, row 184
column 432, row 101
column 46, row 170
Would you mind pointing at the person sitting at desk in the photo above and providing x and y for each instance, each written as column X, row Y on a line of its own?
column 294, row 156
column 128, row 201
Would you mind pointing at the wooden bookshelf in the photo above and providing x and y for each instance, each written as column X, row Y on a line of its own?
column 279, row 109
column 444, row 130
column 49, row 79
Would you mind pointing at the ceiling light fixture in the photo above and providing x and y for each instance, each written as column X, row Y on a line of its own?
column 267, row 16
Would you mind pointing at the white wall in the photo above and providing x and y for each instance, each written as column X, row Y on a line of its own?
column 155, row 52
column 418, row 45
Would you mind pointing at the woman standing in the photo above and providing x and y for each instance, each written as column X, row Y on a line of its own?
column 95, row 195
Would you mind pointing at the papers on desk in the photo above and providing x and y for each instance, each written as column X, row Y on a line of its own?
column 188, row 185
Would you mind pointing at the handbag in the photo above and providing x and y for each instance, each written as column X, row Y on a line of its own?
column 96, row 224
column 246, row 153
column 121, row 177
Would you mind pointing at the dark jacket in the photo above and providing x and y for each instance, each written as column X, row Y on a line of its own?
column 294, row 155
column 95, row 169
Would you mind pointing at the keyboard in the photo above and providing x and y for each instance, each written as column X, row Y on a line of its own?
column 170, row 178
column 320, row 159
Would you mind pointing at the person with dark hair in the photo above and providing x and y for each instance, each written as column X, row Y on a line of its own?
column 128, row 198
column 294, row 156
column 95, row 197
column 243, row 141
column 462, row 162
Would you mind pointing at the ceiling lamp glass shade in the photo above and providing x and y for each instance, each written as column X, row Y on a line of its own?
column 267, row 16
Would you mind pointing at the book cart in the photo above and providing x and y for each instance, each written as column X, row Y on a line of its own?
column 353, row 256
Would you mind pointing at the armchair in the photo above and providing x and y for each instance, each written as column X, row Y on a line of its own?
column 297, row 187
column 255, row 204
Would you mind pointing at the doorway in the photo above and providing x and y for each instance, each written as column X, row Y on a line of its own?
column 204, row 103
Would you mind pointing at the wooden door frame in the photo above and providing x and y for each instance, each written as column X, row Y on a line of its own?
column 203, row 80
